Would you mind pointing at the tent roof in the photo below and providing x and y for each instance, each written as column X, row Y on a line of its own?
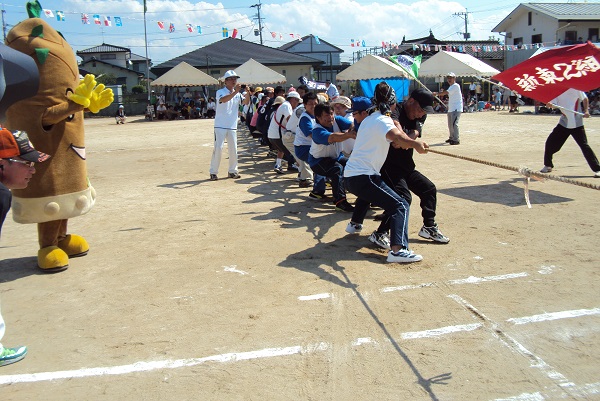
column 463, row 65
column 184, row 74
column 254, row 73
column 372, row 67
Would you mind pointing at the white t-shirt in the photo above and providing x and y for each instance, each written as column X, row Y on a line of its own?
column 227, row 113
column 371, row 146
column 301, row 139
column 348, row 144
column 570, row 100
column 292, row 123
column 455, row 100
column 284, row 110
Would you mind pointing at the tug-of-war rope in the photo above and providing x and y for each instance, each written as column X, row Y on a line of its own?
column 524, row 171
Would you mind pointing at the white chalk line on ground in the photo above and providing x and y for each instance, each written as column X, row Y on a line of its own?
column 554, row 316
column 494, row 328
column 315, row 296
column 583, row 390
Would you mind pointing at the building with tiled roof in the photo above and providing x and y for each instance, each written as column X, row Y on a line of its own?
column 315, row 47
column 229, row 53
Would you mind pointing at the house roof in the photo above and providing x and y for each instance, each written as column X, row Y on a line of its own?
column 234, row 52
column 103, row 48
column 559, row 11
column 140, row 74
column 293, row 43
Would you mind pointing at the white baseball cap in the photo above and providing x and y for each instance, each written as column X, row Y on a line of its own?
column 295, row 95
column 230, row 74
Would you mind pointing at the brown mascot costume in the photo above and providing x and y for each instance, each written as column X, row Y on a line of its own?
column 53, row 118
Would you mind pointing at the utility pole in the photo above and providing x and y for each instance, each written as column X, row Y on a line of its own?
column 258, row 6
column 465, row 14
column 3, row 23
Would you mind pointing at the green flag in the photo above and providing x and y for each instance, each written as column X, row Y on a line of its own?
column 408, row 64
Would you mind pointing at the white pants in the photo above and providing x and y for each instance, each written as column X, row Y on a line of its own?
column 220, row 135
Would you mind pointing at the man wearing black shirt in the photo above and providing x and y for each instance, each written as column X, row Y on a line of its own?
column 399, row 170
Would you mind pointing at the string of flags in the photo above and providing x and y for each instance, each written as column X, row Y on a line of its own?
column 462, row 48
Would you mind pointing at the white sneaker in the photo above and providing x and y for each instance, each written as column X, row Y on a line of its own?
column 380, row 239
column 433, row 233
column 403, row 256
column 546, row 169
column 353, row 228
column 597, row 174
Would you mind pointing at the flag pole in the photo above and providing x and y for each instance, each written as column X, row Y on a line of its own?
column 553, row 105
column 147, row 61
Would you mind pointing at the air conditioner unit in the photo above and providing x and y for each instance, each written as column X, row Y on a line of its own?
column 509, row 35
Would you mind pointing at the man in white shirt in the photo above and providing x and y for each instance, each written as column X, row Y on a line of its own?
column 331, row 90
column 228, row 99
column 277, row 128
column 455, row 107
column 570, row 124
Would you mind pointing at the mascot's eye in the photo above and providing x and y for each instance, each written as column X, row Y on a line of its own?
column 71, row 117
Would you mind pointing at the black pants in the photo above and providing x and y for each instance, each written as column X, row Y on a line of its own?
column 557, row 139
column 278, row 145
column 333, row 169
column 404, row 182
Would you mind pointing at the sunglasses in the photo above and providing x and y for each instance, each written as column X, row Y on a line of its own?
column 28, row 164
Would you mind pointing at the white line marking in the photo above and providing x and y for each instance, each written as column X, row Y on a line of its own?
column 406, row 287
column 524, row 397
column 554, row 316
column 233, row 269
column 155, row 365
column 547, row 269
column 313, row 297
column 441, row 331
column 477, row 280
column 363, row 340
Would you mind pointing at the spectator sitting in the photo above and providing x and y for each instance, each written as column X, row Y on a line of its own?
column 120, row 116
column 211, row 108
column 161, row 111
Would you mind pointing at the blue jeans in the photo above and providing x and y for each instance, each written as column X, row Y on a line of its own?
column 371, row 189
column 318, row 180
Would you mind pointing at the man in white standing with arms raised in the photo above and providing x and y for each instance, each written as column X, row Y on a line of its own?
column 228, row 99
column 455, row 107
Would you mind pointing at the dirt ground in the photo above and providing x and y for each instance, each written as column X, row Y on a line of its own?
column 249, row 290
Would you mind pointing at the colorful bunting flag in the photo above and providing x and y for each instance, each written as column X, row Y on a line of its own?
column 234, row 34
column 97, row 19
column 60, row 16
column 274, row 34
column 171, row 27
column 225, row 32
column 85, row 19
column 199, row 29
column 107, row 21
column 351, row 42
column 190, row 28
column 48, row 13
column 317, row 40
column 118, row 21
column 161, row 25
column 364, row 44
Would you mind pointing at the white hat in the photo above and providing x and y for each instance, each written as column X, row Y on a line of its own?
column 295, row 95
column 278, row 100
column 451, row 74
column 230, row 74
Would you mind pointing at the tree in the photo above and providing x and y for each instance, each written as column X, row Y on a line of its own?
column 106, row 78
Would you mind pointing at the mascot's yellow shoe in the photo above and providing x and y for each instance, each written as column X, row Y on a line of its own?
column 74, row 245
column 52, row 259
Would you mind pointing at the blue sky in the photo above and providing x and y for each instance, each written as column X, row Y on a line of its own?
column 336, row 21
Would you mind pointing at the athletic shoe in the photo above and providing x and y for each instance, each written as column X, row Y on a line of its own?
column 433, row 233
column 403, row 256
column 448, row 140
column 213, row 177
column 344, row 206
column 305, row 183
column 454, row 142
column 235, row 176
column 353, row 228
column 12, row 355
column 315, row 195
column 380, row 239
column 597, row 174
column 294, row 167
column 546, row 169
column 278, row 169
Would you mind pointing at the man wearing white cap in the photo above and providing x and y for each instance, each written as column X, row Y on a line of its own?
column 228, row 100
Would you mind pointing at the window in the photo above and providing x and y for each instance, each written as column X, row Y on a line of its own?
column 215, row 72
column 536, row 38
column 529, row 17
column 283, row 72
column 570, row 37
column 518, row 41
column 593, row 34
column 122, row 81
column 108, row 57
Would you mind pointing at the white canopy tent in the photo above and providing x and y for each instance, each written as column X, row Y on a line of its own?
column 372, row 67
column 254, row 73
column 463, row 65
column 184, row 74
